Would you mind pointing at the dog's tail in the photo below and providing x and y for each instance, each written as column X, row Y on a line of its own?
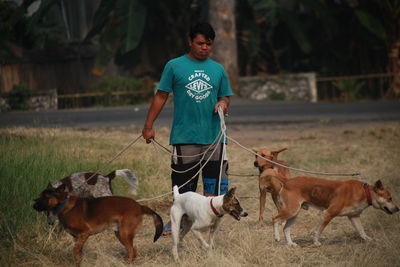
column 158, row 222
column 129, row 176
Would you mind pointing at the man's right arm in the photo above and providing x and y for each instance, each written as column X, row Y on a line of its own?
column 160, row 98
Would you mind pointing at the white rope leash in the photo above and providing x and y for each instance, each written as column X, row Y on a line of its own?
column 194, row 176
column 184, row 156
column 217, row 140
column 223, row 131
column 110, row 161
column 294, row 169
column 203, row 154
column 222, row 134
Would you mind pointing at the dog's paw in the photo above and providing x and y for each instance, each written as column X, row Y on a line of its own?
column 292, row 244
column 206, row 246
column 277, row 237
column 367, row 238
column 175, row 254
column 317, row 243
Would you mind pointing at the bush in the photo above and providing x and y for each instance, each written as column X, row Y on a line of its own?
column 349, row 89
column 111, row 84
column 133, row 91
column 277, row 96
column 19, row 96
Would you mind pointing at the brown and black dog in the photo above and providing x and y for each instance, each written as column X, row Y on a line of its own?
column 83, row 217
column 89, row 184
column 337, row 198
column 263, row 183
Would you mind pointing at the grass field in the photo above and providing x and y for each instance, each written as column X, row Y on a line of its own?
column 30, row 158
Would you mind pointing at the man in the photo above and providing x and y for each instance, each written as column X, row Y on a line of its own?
column 200, row 87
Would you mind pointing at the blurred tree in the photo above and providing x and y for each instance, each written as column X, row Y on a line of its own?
column 385, row 24
column 14, row 30
column 149, row 39
column 222, row 17
column 165, row 35
column 273, row 26
column 117, row 29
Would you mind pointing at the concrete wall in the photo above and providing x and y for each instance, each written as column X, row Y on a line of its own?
column 47, row 100
column 285, row 87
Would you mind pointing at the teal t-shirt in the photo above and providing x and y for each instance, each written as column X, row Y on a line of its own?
column 196, row 86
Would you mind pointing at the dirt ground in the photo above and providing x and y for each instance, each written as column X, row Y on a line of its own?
column 370, row 147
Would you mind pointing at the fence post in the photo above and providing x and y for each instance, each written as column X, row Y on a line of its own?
column 313, row 87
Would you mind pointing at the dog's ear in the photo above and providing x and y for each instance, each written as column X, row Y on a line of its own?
column 379, row 185
column 279, row 151
column 276, row 152
column 49, row 186
column 61, row 188
column 231, row 193
column 255, row 151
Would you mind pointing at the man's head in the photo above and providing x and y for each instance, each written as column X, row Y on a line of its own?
column 201, row 38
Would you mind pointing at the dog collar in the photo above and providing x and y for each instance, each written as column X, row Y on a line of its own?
column 60, row 206
column 367, row 194
column 214, row 209
column 262, row 168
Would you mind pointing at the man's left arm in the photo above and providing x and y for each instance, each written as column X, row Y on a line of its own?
column 223, row 102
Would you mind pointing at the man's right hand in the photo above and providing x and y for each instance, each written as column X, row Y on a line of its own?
column 148, row 134
column 155, row 108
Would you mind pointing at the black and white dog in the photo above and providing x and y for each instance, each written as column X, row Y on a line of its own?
column 89, row 184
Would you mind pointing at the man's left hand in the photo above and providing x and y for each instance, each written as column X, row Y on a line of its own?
column 224, row 106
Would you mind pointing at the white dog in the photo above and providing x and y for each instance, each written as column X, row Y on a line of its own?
column 201, row 214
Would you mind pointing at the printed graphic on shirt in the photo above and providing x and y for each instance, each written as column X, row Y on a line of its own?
column 198, row 86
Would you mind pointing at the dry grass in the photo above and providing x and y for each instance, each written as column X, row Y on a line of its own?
column 373, row 149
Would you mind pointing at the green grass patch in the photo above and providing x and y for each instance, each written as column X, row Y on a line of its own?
column 27, row 165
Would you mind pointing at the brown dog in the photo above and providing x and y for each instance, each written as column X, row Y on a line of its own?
column 82, row 217
column 263, row 182
column 337, row 198
column 89, row 184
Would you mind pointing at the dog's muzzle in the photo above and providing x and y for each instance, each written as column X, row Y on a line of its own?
column 36, row 206
column 236, row 214
column 39, row 205
column 391, row 211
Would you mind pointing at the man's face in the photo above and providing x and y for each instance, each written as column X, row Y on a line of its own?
column 200, row 47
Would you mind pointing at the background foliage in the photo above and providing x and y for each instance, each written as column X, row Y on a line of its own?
column 136, row 37
column 330, row 37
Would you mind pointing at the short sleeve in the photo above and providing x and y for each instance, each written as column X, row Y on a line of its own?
column 225, row 87
column 167, row 78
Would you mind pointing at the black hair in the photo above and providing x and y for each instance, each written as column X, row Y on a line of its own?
column 203, row 28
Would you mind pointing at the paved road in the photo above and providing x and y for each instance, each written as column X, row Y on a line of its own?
column 241, row 112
